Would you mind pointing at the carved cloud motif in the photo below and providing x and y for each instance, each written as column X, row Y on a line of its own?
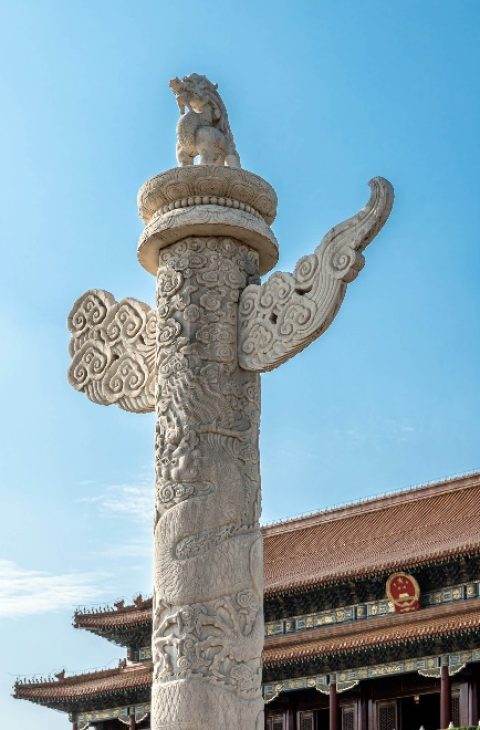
column 281, row 317
column 113, row 351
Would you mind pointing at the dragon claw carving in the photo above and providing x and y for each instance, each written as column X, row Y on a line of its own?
column 285, row 314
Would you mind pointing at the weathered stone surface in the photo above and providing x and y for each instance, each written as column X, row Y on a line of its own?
column 207, row 200
column 203, row 130
column 196, row 359
column 113, row 350
column 281, row 317
column 200, row 184
column 208, row 581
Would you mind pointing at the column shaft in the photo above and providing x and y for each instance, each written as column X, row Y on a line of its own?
column 208, row 626
column 445, row 698
column 333, row 707
column 472, row 700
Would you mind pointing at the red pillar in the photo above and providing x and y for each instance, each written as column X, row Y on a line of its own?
column 362, row 709
column 472, row 701
column 333, row 706
column 289, row 719
column 133, row 722
column 74, row 725
column 445, row 697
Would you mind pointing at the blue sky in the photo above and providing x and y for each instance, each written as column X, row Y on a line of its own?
column 321, row 96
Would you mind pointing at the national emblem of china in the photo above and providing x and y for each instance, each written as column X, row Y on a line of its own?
column 404, row 592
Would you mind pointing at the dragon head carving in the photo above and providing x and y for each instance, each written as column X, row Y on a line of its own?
column 196, row 92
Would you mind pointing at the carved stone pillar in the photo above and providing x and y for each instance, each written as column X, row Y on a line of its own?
column 208, row 587
column 208, row 627
column 196, row 360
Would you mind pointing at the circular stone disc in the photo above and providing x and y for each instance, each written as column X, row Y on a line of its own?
column 207, row 220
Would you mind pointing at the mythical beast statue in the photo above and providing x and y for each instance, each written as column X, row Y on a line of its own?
column 204, row 129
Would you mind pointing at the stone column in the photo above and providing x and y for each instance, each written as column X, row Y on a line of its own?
column 133, row 722
column 196, row 360
column 208, row 628
column 445, row 697
column 208, row 615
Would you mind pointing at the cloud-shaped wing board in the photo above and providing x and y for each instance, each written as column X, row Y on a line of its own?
column 113, row 351
column 284, row 315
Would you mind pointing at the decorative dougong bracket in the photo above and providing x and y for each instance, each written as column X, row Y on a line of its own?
column 195, row 359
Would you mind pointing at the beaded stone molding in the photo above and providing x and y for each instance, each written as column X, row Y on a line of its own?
column 201, row 182
column 207, row 200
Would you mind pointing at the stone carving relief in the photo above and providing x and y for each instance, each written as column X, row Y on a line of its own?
column 196, row 360
column 206, row 185
column 207, row 615
column 207, row 200
column 212, row 639
column 207, row 219
column 113, row 350
column 203, row 128
column 282, row 316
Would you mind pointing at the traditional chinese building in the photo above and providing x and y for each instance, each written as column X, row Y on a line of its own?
column 372, row 617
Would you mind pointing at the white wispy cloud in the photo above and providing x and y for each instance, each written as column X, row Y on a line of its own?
column 129, row 549
column 132, row 501
column 24, row 592
column 129, row 501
